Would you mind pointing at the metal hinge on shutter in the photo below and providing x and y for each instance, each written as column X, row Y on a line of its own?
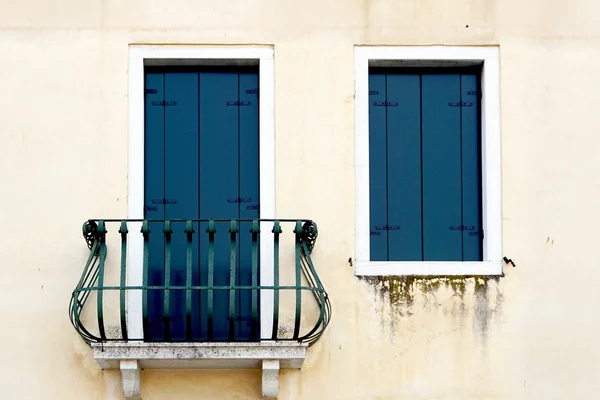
column 164, row 201
column 462, row 228
column 239, row 200
column 474, row 93
column 461, row 104
column 387, row 227
column 385, row 103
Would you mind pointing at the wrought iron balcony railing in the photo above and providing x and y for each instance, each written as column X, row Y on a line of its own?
column 201, row 281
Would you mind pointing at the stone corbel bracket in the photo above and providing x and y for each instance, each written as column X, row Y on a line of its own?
column 132, row 357
column 131, row 377
column 270, row 379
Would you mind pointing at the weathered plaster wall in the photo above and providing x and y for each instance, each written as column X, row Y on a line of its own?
column 531, row 334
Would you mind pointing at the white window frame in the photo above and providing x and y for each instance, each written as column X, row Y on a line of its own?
column 422, row 56
column 143, row 55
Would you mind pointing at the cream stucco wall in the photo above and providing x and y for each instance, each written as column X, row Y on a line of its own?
column 63, row 132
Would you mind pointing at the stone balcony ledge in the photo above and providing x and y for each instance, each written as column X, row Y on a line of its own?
column 132, row 357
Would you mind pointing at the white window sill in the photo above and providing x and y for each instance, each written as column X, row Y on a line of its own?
column 428, row 268
column 199, row 355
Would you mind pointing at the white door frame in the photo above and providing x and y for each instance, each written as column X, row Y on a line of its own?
column 141, row 55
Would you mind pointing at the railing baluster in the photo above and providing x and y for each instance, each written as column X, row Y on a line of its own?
column 309, row 273
column 211, row 230
column 276, row 232
column 77, row 304
column 255, row 231
column 146, row 233
column 87, row 271
column 168, row 231
column 88, row 278
column 233, row 229
column 189, row 230
column 102, row 237
column 123, row 231
column 298, row 231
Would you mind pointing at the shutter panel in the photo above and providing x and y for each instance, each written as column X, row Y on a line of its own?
column 404, row 167
column 377, row 167
column 154, row 189
column 249, row 190
column 181, row 182
column 442, row 192
column 219, row 186
column 471, row 188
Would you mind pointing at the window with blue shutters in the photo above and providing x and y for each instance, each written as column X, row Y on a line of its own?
column 425, row 194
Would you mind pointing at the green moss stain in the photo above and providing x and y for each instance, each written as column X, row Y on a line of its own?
column 404, row 292
column 458, row 285
column 401, row 289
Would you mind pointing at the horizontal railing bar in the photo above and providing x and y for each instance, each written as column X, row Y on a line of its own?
column 199, row 288
column 202, row 220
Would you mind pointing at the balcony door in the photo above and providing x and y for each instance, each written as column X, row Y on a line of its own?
column 201, row 162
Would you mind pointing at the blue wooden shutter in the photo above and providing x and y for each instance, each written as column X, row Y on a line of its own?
column 181, row 182
column 219, row 184
column 441, row 168
column 404, row 167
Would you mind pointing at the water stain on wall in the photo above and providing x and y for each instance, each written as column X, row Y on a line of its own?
column 460, row 297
